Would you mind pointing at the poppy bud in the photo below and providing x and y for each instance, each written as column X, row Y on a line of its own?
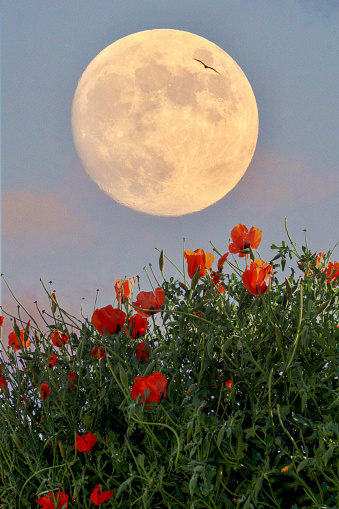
column 123, row 376
column 161, row 261
column 62, row 450
column 195, row 278
column 151, row 484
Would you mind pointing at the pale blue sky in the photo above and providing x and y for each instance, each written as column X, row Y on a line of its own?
column 58, row 225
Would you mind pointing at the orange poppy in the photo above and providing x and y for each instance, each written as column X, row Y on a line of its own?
column 155, row 383
column 13, row 340
column 150, row 301
column 333, row 267
column 138, row 325
column 221, row 261
column 123, row 288
column 99, row 497
column 59, row 339
column 243, row 239
column 112, row 320
column 45, row 391
column 254, row 277
column 142, row 352
column 47, row 500
column 86, row 442
column 98, row 353
column 196, row 258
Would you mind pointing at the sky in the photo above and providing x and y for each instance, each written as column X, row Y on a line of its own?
column 59, row 226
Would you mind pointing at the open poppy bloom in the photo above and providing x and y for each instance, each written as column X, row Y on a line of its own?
column 138, row 325
column 86, row 442
column 59, row 339
column 142, row 352
column 333, row 267
column 229, row 384
column 123, row 288
column 98, row 353
column 155, row 383
column 150, row 301
column 319, row 263
column 243, row 239
column 255, row 275
column 196, row 258
column 13, row 340
column 1, row 320
column 45, row 391
column 47, row 500
column 99, row 497
column 112, row 320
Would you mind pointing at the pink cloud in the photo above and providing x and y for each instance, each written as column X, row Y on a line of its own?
column 40, row 217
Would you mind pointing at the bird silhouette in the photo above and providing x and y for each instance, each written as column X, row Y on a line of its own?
column 206, row 66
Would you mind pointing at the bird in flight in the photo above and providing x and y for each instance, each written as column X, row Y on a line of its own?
column 206, row 66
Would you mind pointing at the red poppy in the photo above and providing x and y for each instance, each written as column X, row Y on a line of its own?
column 25, row 399
column 98, row 353
column 255, row 275
column 59, row 339
column 45, row 391
column 52, row 361
column 70, row 381
column 3, row 383
column 196, row 258
column 124, row 288
column 99, row 497
column 243, row 239
column 142, row 352
column 1, row 320
column 221, row 261
column 150, row 301
column 112, row 320
column 138, row 325
column 216, row 281
column 47, row 500
column 13, row 340
column 333, row 267
column 85, row 443
column 155, row 383
column 229, row 384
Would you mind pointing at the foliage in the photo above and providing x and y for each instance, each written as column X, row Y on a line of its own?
column 249, row 417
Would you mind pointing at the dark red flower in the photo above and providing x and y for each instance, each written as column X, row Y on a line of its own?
column 142, row 353
column 25, row 399
column 47, row 500
column 229, row 384
column 196, row 258
column 45, row 391
column 1, row 320
column 13, row 340
column 138, row 325
column 99, row 497
column 70, row 381
column 243, row 239
column 3, row 384
column 255, row 275
column 150, row 301
column 123, row 288
column 98, row 353
column 59, row 339
column 52, row 361
column 155, row 383
column 112, row 320
column 86, row 442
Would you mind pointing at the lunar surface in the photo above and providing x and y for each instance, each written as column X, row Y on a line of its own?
column 165, row 122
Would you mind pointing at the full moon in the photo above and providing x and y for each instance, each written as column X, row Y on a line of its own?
column 165, row 122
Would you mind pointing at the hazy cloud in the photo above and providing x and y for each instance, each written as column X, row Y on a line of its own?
column 39, row 217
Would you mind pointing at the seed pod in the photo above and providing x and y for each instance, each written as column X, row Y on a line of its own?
column 219, row 476
column 62, row 450
column 161, row 261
